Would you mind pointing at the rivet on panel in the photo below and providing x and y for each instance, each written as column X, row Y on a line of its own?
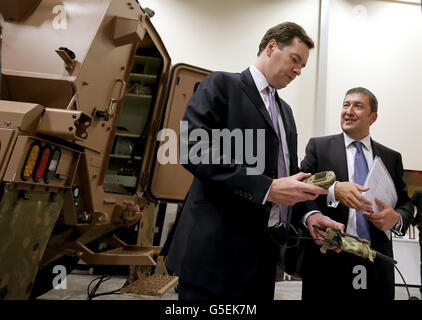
column 26, row 242
column 4, row 281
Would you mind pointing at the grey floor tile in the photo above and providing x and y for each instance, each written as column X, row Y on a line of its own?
column 77, row 285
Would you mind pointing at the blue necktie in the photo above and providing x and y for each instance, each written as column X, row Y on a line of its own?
column 361, row 171
column 281, row 163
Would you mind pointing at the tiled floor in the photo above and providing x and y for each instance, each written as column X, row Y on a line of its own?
column 77, row 285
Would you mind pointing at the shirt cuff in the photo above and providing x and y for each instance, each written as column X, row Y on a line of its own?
column 397, row 228
column 305, row 217
column 266, row 196
column 331, row 198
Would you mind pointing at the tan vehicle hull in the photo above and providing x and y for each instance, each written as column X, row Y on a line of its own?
column 85, row 87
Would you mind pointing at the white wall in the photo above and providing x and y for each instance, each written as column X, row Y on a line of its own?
column 225, row 35
column 378, row 45
column 372, row 43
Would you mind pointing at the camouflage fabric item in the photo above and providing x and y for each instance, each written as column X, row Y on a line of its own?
column 26, row 223
column 357, row 246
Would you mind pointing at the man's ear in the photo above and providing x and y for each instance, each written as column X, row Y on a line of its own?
column 373, row 116
column 269, row 49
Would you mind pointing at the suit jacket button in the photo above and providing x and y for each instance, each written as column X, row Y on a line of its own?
column 275, row 143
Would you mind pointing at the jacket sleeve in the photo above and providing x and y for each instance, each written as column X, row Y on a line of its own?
column 207, row 110
column 404, row 206
column 417, row 202
column 308, row 165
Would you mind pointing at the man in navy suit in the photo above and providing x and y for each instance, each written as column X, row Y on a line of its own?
column 224, row 243
column 343, row 275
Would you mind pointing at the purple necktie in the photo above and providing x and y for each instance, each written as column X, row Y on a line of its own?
column 361, row 171
column 281, row 163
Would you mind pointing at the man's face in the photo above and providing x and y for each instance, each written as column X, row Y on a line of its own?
column 285, row 64
column 356, row 115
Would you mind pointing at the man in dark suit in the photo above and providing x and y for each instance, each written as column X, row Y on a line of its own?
column 343, row 275
column 223, row 244
column 417, row 219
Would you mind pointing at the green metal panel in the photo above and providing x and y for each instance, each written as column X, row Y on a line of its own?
column 27, row 219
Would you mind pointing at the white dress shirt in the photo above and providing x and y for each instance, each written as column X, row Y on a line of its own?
column 262, row 84
column 350, row 154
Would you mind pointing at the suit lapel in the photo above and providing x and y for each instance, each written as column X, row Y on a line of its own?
column 249, row 87
column 341, row 159
column 375, row 150
column 340, row 166
column 284, row 117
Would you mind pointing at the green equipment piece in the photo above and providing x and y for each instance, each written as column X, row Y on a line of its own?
column 351, row 244
column 322, row 179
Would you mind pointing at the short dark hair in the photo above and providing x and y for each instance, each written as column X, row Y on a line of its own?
column 373, row 102
column 283, row 34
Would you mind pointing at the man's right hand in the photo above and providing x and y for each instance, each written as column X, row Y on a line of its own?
column 289, row 190
column 349, row 194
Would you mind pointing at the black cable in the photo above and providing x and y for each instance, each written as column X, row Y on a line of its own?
column 296, row 237
column 405, row 284
column 91, row 294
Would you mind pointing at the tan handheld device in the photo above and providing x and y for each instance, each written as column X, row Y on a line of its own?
column 322, row 179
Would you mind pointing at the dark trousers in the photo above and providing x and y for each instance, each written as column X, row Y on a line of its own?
column 260, row 288
column 187, row 291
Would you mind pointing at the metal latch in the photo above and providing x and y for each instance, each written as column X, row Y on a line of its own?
column 68, row 56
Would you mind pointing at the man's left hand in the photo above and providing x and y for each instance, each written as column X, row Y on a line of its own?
column 324, row 222
column 385, row 219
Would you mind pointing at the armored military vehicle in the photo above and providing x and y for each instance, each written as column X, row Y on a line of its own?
column 86, row 86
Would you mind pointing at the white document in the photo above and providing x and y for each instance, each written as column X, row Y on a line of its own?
column 381, row 186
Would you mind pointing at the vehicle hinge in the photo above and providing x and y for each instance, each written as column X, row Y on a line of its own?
column 164, row 78
column 144, row 178
column 154, row 128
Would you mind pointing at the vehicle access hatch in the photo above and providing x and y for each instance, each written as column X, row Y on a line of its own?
column 169, row 182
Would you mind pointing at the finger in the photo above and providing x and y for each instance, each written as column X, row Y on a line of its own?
column 304, row 196
column 308, row 196
column 370, row 217
column 356, row 204
column 318, row 239
column 340, row 226
column 365, row 207
column 335, row 248
column 361, row 188
column 361, row 203
column 319, row 242
column 301, row 175
column 380, row 203
column 308, row 188
column 376, row 216
column 313, row 196
column 365, row 200
column 313, row 233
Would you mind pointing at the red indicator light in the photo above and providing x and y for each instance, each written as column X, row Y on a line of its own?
column 42, row 163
